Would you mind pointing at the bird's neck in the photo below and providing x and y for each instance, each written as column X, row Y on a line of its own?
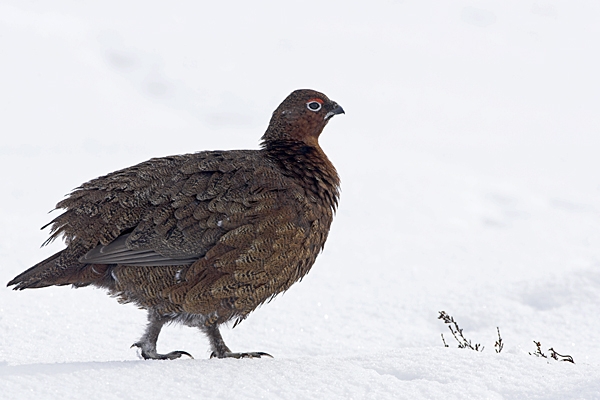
column 309, row 164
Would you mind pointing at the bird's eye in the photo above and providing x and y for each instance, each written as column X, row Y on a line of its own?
column 313, row 105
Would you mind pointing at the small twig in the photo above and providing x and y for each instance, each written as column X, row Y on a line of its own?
column 560, row 357
column 463, row 343
column 444, row 340
column 499, row 345
column 538, row 351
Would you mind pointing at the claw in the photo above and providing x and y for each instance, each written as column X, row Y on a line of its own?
column 175, row 354
column 265, row 354
column 153, row 355
column 257, row 354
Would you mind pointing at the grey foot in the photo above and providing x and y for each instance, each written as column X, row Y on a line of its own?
column 257, row 354
column 150, row 354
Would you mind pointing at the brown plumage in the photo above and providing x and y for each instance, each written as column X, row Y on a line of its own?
column 202, row 238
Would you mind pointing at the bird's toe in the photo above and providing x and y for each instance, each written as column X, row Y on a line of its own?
column 255, row 354
column 151, row 354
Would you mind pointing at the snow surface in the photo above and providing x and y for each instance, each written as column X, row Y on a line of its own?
column 470, row 184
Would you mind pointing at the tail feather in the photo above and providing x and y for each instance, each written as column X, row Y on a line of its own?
column 34, row 276
column 47, row 273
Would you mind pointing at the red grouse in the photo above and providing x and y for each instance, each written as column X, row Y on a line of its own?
column 202, row 238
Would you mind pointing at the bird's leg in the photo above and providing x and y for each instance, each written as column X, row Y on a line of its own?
column 220, row 349
column 147, row 343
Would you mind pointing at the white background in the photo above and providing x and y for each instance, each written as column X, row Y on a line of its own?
column 470, row 184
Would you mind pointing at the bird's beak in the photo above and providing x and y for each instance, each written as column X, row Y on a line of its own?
column 337, row 109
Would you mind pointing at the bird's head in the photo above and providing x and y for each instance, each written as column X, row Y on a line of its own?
column 301, row 117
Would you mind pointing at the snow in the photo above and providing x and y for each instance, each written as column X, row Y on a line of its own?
column 469, row 164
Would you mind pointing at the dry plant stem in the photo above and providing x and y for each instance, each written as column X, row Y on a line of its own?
column 499, row 345
column 463, row 343
column 560, row 357
column 444, row 340
column 538, row 352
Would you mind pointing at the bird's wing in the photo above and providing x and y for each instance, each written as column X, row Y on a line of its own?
column 117, row 252
column 212, row 197
column 170, row 210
